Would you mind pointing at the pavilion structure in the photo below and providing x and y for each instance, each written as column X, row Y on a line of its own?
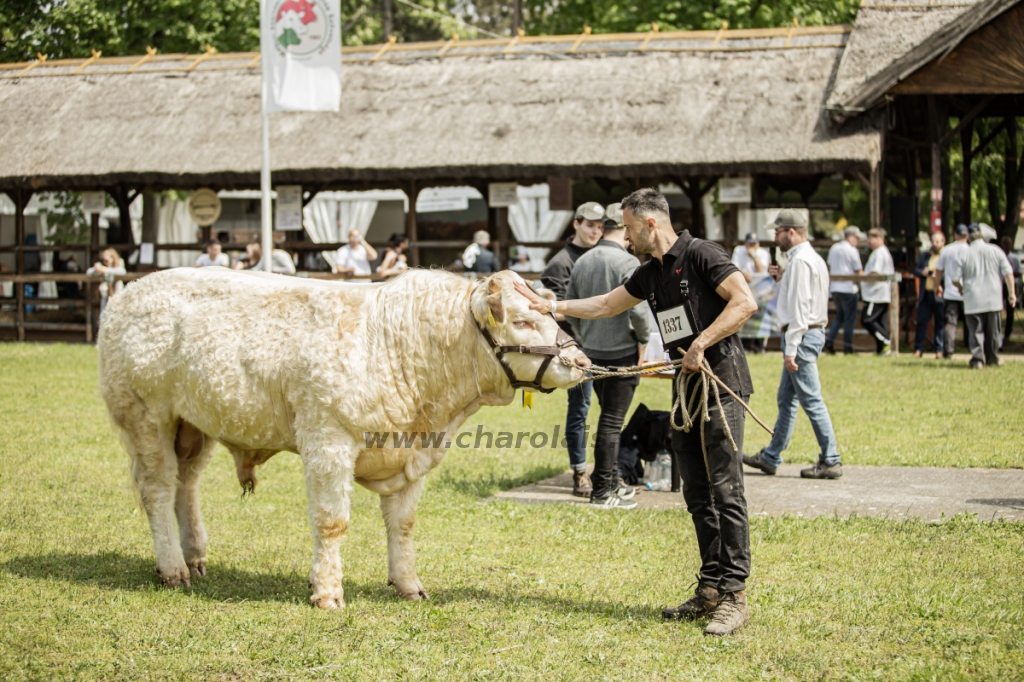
column 792, row 109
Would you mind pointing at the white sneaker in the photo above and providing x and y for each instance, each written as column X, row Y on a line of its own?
column 612, row 502
column 625, row 492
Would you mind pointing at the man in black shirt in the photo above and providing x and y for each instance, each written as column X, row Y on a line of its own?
column 719, row 302
column 589, row 229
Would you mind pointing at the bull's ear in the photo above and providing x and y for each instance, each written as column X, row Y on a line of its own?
column 496, row 307
column 493, row 285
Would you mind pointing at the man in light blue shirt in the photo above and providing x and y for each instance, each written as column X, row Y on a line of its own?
column 844, row 259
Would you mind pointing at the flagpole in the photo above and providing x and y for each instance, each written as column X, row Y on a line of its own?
column 264, row 184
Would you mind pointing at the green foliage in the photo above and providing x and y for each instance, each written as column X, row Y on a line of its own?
column 67, row 223
column 610, row 16
column 72, row 28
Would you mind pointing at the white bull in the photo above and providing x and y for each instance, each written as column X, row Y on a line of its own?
column 263, row 363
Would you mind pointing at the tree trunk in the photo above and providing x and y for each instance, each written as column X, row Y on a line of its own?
column 388, row 21
column 1014, row 175
column 966, row 140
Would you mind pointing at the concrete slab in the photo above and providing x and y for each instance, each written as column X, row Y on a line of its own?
column 890, row 492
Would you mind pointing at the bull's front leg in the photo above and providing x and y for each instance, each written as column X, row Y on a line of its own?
column 399, row 511
column 328, row 461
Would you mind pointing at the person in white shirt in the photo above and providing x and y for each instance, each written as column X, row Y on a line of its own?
column 803, row 310
column 213, row 256
column 844, row 259
column 753, row 260
column 985, row 269
column 280, row 261
column 354, row 258
column 947, row 271
column 877, row 295
column 1006, row 244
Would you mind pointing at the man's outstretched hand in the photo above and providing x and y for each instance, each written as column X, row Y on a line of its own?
column 541, row 305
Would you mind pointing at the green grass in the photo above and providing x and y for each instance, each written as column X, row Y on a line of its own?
column 518, row 591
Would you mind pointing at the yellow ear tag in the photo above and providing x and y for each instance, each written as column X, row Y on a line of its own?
column 527, row 399
column 490, row 318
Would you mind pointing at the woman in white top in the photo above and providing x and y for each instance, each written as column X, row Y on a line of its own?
column 281, row 262
column 109, row 265
column 394, row 256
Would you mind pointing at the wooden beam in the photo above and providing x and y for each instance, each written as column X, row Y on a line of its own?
column 991, row 136
column 966, row 120
column 410, row 225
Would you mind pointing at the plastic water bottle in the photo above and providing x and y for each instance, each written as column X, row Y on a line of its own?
column 660, row 477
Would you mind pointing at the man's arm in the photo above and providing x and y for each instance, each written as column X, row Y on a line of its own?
column 739, row 307
column 593, row 308
column 1011, row 290
column 371, row 253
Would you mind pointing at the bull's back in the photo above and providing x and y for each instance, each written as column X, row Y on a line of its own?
column 218, row 348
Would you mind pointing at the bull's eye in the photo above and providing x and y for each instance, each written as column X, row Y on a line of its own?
column 523, row 324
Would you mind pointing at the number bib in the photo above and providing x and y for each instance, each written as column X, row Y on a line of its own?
column 674, row 325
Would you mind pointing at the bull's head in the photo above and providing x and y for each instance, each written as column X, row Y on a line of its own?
column 507, row 320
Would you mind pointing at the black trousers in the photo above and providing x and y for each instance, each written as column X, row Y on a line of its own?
column 716, row 501
column 876, row 320
column 984, row 337
column 614, row 394
column 929, row 308
column 952, row 311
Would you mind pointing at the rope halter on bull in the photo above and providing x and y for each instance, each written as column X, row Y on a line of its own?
column 562, row 341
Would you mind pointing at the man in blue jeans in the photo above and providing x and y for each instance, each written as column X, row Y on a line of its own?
column 589, row 228
column 803, row 311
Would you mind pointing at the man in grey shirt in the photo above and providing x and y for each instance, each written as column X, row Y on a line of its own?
column 611, row 342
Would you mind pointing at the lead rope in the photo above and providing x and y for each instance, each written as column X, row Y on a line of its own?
column 694, row 410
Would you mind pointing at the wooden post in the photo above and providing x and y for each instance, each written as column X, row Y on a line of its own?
column 966, row 140
column 21, row 198
column 88, row 311
column 517, row 17
column 410, row 226
column 894, row 316
column 503, row 238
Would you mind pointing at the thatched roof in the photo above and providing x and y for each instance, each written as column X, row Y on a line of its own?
column 700, row 103
column 894, row 38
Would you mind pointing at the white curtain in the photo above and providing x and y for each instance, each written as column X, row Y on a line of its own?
column 175, row 226
column 46, row 289
column 329, row 220
column 532, row 220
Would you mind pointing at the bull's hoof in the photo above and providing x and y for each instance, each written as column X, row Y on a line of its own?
column 328, row 602
column 410, row 592
column 197, row 568
column 175, row 577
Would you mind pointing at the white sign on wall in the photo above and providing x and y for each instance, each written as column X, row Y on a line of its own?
column 735, row 190
column 289, row 207
column 438, row 199
column 502, row 194
column 93, row 202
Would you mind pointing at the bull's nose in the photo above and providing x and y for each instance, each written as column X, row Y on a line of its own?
column 583, row 361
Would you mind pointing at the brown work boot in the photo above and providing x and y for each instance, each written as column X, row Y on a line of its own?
column 730, row 615
column 702, row 603
column 581, row 486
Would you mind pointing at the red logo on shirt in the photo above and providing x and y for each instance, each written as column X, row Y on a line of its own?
column 680, row 270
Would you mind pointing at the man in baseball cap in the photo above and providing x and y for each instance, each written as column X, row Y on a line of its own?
column 844, row 259
column 947, row 271
column 589, row 228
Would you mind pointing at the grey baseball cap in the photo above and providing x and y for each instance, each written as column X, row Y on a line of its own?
column 613, row 212
column 752, row 238
column 789, row 217
column 854, row 231
column 590, row 211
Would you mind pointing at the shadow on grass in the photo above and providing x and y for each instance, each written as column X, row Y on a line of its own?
column 485, row 487
column 115, row 571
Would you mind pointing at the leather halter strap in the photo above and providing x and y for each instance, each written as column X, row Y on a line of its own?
column 562, row 341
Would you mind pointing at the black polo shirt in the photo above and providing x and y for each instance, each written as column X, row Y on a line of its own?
column 709, row 267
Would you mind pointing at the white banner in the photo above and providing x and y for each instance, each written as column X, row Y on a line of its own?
column 300, row 46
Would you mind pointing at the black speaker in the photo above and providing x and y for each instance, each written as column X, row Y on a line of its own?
column 903, row 218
